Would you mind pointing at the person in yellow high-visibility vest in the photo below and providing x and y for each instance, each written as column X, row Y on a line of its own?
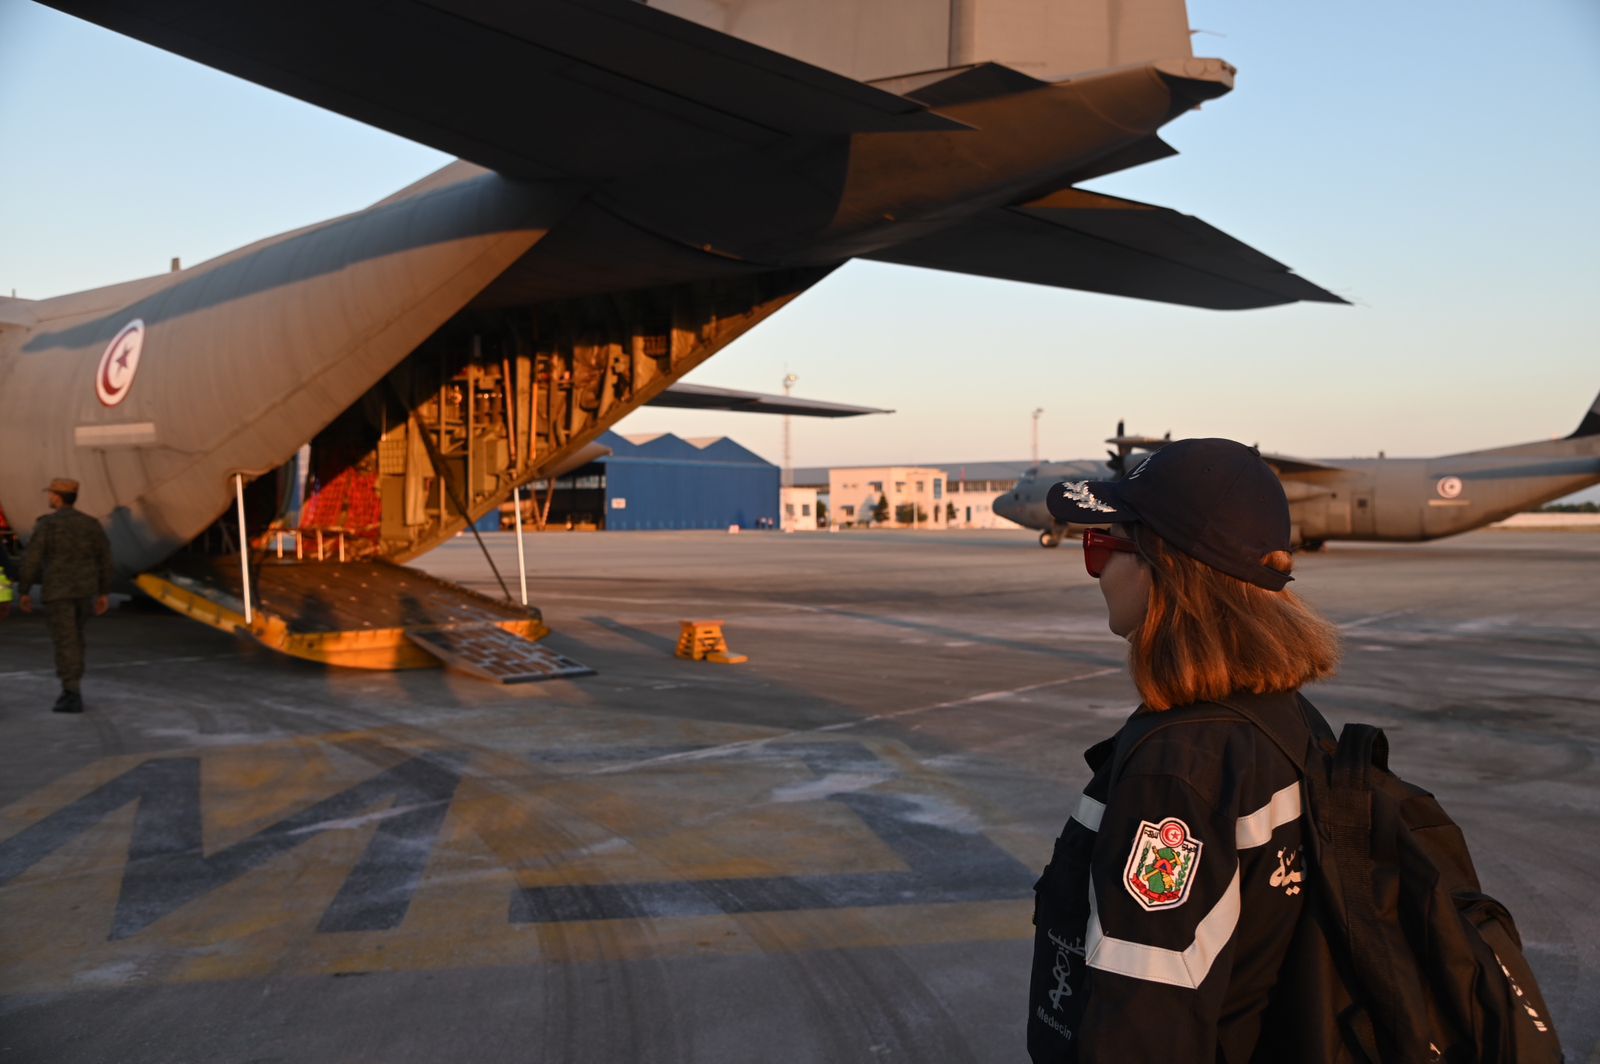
column 8, row 574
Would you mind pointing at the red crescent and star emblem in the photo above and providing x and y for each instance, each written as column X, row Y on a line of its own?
column 120, row 362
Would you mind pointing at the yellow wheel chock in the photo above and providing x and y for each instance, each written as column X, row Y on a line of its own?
column 704, row 641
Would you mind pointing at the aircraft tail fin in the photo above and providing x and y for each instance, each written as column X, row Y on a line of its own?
column 1590, row 425
column 872, row 39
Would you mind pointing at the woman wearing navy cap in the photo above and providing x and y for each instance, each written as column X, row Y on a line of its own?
column 1164, row 918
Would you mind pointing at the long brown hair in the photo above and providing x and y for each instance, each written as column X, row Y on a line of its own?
column 1206, row 634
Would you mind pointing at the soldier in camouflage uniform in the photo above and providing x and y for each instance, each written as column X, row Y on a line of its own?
column 70, row 552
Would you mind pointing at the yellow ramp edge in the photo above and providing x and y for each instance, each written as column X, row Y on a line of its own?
column 194, row 601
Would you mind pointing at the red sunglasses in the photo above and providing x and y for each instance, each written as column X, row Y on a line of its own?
column 1098, row 547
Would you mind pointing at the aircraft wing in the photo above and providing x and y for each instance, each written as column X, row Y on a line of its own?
column 589, row 452
column 1143, row 443
column 539, row 89
column 1098, row 243
column 1283, row 465
column 704, row 397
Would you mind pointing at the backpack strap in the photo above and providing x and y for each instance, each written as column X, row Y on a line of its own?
column 1356, row 848
column 1297, row 734
column 1292, row 729
column 1340, row 784
column 1130, row 739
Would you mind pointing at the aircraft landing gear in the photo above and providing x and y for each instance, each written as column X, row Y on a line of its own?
column 1049, row 539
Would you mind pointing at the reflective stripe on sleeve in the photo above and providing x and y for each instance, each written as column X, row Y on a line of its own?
column 1257, row 828
column 1185, row 968
column 1089, row 812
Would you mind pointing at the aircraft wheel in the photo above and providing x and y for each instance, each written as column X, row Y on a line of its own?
column 1049, row 539
column 1312, row 545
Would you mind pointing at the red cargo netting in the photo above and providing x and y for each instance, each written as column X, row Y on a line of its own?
column 349, row 502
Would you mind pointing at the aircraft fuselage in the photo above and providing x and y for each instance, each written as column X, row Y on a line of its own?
column 1416, row 499
column 1392, row 499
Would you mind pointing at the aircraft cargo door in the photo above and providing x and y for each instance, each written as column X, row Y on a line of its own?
column 1363, row 513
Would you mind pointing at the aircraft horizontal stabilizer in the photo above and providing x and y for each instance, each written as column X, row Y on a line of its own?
column 1098, row 243
column 1281, row 463
column 540, row 89
column 704, row 397
column 1150, row 149
column 968, row 85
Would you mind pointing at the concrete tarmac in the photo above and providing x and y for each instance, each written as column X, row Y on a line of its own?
column 825, row 854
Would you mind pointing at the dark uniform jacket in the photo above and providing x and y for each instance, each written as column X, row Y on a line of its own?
column 70, row 551
column 1166, row 912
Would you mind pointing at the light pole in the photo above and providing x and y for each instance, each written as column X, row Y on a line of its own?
column 789, row 380
column 1036, row 412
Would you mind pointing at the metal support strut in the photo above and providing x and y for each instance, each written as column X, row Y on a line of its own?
column 244, row 548
column 522, row 558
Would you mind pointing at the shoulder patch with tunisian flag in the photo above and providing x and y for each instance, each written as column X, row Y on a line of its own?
column 1162, row 864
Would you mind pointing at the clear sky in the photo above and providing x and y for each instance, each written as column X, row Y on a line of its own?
column 1433, row 161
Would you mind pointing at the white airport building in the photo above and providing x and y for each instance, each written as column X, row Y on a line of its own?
column 888, row 496
column 953, row 495
column 973, row 488
column 797, row 509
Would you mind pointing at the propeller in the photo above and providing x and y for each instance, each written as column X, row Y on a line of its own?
column 1118, row 457
column 1126, row 445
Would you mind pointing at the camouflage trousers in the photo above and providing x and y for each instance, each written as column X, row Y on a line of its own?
column 66, row 619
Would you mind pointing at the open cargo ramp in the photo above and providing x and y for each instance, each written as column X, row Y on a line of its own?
column 366, row 615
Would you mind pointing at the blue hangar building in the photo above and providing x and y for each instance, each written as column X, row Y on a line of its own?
column 665, row 482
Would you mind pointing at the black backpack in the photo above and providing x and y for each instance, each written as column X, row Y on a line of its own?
column 1417, row 962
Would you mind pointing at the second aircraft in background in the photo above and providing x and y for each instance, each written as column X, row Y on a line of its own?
column 1397, row 499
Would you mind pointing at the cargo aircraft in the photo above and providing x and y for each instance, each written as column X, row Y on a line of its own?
column 637, row 186
column 1394, row 499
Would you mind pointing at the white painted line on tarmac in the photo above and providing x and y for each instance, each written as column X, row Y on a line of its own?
column 1360, row 621
column 749, row 744
column 97, row 667
column 355, row 823
column 674, row 603
column 987, row 696
column 663, row 601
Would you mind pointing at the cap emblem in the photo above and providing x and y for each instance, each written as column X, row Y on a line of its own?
column 1078, row 493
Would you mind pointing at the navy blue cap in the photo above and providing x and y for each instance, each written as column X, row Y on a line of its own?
column 1214, row 500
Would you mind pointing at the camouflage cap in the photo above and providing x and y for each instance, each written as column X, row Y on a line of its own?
column 64, row 486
